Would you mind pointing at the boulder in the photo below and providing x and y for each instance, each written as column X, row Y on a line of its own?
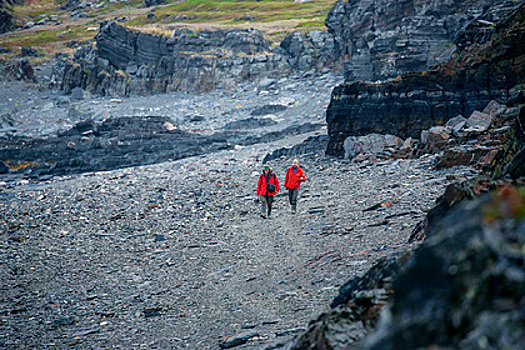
column 20, row 70
column 250, row 123
column 7, row 22
column 312, row 145
column 457, row 124
column 28, row 51
column 370, row 144
column 150, row 3
column 479, row 121
column 459, row 291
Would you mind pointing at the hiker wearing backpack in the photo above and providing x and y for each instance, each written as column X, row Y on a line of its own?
column 267, row 187
column 292, row 182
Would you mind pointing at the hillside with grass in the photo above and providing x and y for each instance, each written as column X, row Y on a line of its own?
column 58, row 26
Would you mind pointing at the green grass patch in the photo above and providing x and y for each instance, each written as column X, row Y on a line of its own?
column 275, row 19
column 232, row 11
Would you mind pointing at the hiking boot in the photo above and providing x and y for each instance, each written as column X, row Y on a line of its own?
column 293, row 209
column 263, row 216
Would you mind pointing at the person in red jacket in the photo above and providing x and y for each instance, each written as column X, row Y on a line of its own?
column 267, row 187
column 292, row 182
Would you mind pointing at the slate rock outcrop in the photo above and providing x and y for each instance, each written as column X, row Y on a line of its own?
column 128, row 62
column 461, row 291
column 370, row 39
column 114, row 143
column 382, row 39
column 412, row 102
column 123, row 142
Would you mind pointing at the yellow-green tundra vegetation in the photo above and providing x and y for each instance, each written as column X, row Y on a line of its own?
column 275, row 19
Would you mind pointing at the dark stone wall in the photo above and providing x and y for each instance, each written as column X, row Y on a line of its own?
column 127, row 62
column 382, row 39
column 477, row 74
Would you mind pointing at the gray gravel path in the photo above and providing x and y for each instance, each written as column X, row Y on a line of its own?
column 174, row 255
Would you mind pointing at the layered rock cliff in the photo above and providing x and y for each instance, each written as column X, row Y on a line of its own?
column 127, row 62
column 373, row 39
column 381, row 39
column 487, row 69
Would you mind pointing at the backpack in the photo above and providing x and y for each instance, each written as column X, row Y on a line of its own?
column 270, row 187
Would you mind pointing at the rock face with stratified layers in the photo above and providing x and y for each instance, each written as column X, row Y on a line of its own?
column 369, row 40
column 486, row 70
column 381, row 39
column 127, row 62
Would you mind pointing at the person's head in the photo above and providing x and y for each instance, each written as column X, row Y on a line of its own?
column 266, row 168
column 295, row 163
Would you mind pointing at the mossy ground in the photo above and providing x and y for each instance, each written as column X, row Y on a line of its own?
column 274, row 18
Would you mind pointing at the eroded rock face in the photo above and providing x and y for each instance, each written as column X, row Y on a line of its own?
column 417, row 101
column 19, row 70
column 459, row 291
column 381, row 39
column 131, row 62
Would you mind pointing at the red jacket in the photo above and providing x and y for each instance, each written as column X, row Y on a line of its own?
column 293, row 179
column 263, row 184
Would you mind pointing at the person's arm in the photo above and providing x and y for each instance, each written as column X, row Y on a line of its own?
column 276, row 184
column 301, row 176
column 287, row 178
column 259, row 186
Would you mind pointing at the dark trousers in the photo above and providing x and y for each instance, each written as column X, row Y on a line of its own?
column 266, row 203
column 292, row 196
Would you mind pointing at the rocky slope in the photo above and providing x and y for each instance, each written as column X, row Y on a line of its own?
column 175, row 254
column 380, row 39
column 491, row 68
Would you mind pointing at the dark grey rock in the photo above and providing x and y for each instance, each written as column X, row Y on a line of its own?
column 29, row 25
column 237, row 339
column 63, row 102
column 42, row 21
column 27, row 51
column 169, row 64
column 446, row 295
column 383, row 40
column 150, row 3
column 20, row 70
column 4, row 169
column 418, row 101
column 312, row 145
column 249, row 123
column 78, row 94
column 268, row 109
column 370, row 144
column 7, row 22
